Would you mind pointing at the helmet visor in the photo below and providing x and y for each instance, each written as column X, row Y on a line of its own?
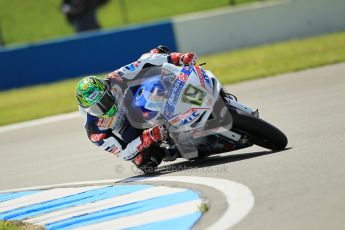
column 105, row 106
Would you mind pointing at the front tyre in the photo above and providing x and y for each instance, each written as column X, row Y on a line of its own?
column 259, row 131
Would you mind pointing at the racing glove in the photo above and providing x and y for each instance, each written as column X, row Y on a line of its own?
column 151, row 136
column 183, row 59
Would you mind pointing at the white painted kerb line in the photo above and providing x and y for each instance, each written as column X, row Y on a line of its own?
column 42, row 197
column 239, row 198
column 42, row 121
column 103, row 204
column 160, row 214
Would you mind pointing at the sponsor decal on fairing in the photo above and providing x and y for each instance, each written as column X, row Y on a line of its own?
column 187, row 117
column 175, row 91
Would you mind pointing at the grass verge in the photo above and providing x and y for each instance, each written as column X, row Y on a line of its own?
column 44, row 20
column 18, row 225
column 233, row 66
column 270, row 60
column 6, row 225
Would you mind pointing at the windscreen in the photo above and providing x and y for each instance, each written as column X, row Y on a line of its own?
column 146, row 97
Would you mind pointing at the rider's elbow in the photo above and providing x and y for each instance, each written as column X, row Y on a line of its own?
column 98, row 138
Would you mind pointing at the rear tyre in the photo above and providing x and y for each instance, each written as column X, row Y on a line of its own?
column 261, row 132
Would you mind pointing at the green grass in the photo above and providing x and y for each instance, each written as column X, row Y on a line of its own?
column 18, row 225
column 232, row 66
column 24, row 21
column 38, row 101
column 6, row 225
column 277, row 58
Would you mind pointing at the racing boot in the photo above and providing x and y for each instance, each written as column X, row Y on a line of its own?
column 170, row 154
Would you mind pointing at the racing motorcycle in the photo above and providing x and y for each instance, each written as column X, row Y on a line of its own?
column 201, row 118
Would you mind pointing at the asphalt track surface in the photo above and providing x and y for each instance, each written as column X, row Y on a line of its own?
column 302, row 187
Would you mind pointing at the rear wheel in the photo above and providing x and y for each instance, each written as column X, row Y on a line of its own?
column 259, row 131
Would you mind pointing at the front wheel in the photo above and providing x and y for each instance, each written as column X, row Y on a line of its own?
column 259, row 131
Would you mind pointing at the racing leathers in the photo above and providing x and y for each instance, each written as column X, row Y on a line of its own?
column 115, row 134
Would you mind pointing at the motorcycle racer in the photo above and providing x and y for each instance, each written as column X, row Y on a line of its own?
column 105, row 121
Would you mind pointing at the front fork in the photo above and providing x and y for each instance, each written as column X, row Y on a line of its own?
column 231, row 100
column 241, row 140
